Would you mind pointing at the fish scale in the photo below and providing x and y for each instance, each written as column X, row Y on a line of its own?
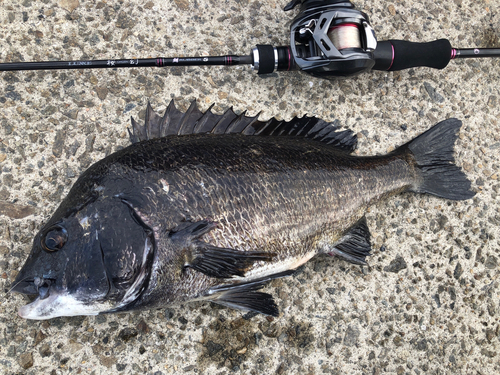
column 216, row 215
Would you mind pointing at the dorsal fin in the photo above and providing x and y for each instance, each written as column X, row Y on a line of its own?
column 193, row 121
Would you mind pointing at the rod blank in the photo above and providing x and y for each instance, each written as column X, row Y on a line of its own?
column 128, row 63
column 468, row 53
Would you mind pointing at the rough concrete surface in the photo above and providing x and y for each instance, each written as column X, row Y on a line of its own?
column 429, row 301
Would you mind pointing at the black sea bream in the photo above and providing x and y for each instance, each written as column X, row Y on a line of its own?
column 211, row 207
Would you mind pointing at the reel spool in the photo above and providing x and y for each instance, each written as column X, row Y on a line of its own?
column 331, row 39
column 345, row 36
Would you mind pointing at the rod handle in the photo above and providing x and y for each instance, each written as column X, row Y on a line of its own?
column 395, row 55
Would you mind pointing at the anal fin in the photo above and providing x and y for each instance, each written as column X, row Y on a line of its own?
column 355, row 246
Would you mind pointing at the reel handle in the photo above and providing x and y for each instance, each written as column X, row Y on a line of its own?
column 392, row 55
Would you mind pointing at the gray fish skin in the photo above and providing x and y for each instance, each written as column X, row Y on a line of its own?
column 215, row 216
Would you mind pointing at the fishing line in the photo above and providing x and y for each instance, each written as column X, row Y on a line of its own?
column 345, row 36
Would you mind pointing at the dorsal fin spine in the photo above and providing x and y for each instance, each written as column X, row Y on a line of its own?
column 250, row 129
column 225, row 120
column 184, row 123
column 263, row 128
column 203, row 119
column 236, row 122
column 167, row 116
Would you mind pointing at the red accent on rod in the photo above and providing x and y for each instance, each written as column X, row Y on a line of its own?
column 392, row 61
column 289, row 59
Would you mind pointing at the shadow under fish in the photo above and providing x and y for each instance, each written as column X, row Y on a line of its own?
column 212, row 207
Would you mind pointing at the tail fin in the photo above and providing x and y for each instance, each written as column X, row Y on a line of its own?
column 433, row 153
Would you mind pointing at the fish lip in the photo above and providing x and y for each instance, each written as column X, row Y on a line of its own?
column 25, row 286
column 60, row 302
column 32, row 288
column 23, row 311
column 29, row 310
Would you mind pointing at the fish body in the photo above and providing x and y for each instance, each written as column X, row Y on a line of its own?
column 208, row 207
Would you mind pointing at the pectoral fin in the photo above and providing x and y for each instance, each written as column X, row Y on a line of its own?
column 211, row 260
column 224, row 263
column 355, row 246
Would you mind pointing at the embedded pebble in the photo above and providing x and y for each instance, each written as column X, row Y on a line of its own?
column 25, row 360
column 16, row 211
column 396, row 265
column 435, row 96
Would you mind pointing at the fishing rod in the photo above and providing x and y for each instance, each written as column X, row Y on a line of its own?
column 329, row 38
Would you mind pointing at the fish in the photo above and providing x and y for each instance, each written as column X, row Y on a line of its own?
column 209, row 207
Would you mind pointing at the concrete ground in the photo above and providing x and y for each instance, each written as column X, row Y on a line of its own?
column 429, row 301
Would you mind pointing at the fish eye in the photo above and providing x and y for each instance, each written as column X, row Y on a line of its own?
column 54, row 239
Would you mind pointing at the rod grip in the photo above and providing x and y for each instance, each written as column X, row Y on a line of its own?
column 266, row 58
column 395, row 55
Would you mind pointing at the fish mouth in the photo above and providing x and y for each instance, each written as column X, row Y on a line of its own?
column 48, row 301
column 35, row 310
column 59, row 303
column 38, row 287
column 36, row 290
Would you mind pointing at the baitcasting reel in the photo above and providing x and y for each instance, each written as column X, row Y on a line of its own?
column 331, row 38
column 328, row 39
